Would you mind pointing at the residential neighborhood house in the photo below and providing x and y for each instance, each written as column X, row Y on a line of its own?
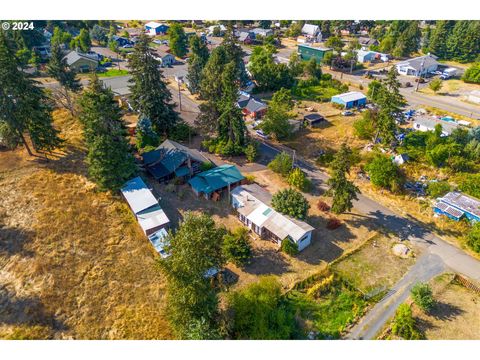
column 307, row 52
column 171, row 159
column 212, row 183
column 145, row 206
column 253, row 206
column 262, row 32
column 422, row 123
column 312, row 31
column 364, row 56
column 165, row 58
column 419, row 66
column 252, row 108
column 153, row 28
column 81, row 62
column 456, row 205
column 350, row 99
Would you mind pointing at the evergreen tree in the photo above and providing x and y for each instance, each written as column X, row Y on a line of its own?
column 390, row 102
column 24, row 107
column 82, row 42
column 438, row 40
column 177, row 40
column 66, row 77
column 231, row 128
column 341, row 189
column 196, row 63
column 265, row 24
column 150, row 95
column 426, row 39
column 235, row 53
column 110, row 163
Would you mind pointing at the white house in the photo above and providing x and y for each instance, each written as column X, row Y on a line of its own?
column 418, row 66
column 428, row 124
column 165, row 58
column 145, row 206
column 310, row 30
column 252, row 204
column 211, row 29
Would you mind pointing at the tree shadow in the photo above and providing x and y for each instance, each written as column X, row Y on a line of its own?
column 71, row 160
column 16, row 310
column 445, row 312
column 14, row 240
column 267, row 262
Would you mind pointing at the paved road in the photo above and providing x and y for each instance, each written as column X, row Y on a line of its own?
column 437, row 254
column 427, row 267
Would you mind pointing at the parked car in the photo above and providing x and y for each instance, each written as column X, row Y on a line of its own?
column 347, row 113
column 261, row 134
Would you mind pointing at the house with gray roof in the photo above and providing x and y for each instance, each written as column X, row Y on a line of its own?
column 424, row 123
column 419, row 66
column 311, row 30
column 252, row 108
column 253, row 206
column 81, row 62
column 171, row 159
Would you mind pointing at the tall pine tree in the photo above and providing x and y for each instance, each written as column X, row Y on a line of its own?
column 196, row 63
column 110, row 163
column 24, row 107
column 341, row 189
column 149, row 93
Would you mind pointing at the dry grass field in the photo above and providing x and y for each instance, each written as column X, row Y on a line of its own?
column 456, row 314
column 73, row 262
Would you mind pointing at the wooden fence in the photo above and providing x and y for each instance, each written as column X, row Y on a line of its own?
column 467, row 283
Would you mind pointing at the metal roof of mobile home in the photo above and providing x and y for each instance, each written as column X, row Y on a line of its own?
column 462, row 201
column 256, row 202
column 138, row 195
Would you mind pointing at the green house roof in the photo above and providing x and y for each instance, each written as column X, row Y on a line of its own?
column 216, row 178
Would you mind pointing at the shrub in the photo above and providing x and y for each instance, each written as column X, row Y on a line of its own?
column 251, row 151
column 260, row 312
column 325, row 159
column 250, row 179
column 404, row 324
column 473, row 238
column 321, row 287
column 470, row 184
column 384, row 173
column 472, row 74
column 438, row 188
column 236, row 246
column 323, row 206
column 333, row 223
column 289, row 247
column 364, row 127
column 291, row 202
column 298, row 179
column 422, row 296
column 281, row 164
column 207, row 165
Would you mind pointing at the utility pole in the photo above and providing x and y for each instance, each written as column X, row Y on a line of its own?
column 293, row 160
column 179, row 94
column 420, row 75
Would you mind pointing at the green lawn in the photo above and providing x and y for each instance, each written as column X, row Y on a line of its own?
column 332, row 312
column 315, row 93
column 113, row 72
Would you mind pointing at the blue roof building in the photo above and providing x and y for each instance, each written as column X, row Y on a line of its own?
column 350, row 99
column 216, row 180
column 456, row 205
column 154, row 28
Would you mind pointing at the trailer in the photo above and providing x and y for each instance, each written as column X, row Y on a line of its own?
column 448, row 73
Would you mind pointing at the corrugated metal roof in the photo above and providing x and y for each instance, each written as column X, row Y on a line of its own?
column 350, row 96
column 462, row 201
column 152, row 218
column 216, row 178
column 256, row 207
column 138, row 196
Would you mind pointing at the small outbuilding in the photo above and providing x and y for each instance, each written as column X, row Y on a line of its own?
column 350, row 99
column 308, row 52
column 212, row 183
column 313, row 119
